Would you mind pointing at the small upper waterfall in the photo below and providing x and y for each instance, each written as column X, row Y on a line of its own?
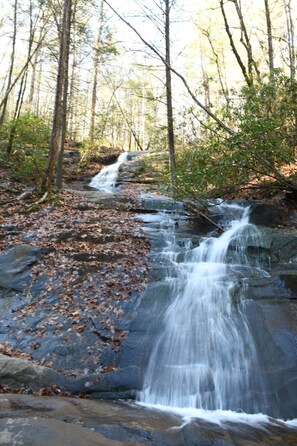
column 106, row 179
column 205, row 356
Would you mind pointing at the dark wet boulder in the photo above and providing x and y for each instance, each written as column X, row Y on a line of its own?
column 21, row 373
column 15, row 267
column 264, row 214
column 108, row 155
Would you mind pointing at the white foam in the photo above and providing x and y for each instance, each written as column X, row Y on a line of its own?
column 105, row 180
column 220, row 417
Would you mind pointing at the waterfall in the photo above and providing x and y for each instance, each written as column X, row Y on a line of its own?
column 106, row 179
column 205, row 356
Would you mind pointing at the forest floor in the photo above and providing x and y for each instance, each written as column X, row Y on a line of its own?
column 92, row 268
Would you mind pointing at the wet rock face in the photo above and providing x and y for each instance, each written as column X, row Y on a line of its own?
column 108, row 155
column 21, row 373
column 26, row 420
column 263, row 214
column 15, row 267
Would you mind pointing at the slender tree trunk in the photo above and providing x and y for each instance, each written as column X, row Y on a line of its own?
column 8, row 88
column 38, row 87
column 73, row 96
column 73, row 81
column 23, row 70
column 58, row 133
column 130, row 126
column 292, row 62
column 270, row 39
column 245, row 40
column 179, row 75
column 143, row 119
column 60, row 151
column 33, row 80
column 218, row 63
column 233, row 46
column 170, row 123
column 291, row 38
column 22, row 88
column 96, row 70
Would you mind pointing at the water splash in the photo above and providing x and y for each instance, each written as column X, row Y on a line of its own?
column 106, row 179
column 205, row 357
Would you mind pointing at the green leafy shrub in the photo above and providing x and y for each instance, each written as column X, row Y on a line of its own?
column 25, row 142
column 265, row 123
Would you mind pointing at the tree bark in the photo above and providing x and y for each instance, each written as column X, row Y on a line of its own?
column 270, row 39
column 246, row 42
column 23, row 84
column 58, row 125
column 8, row 88
column 233, row 47
column 291, row 38
column 170, row 123
column 23, row 70
column 96, row 69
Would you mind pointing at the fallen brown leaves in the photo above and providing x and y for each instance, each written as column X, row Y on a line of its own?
column 93, row 262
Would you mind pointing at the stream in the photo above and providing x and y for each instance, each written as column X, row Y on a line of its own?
column 106, row 179
column 206, row 355
column 206, row 349
column 212, row 352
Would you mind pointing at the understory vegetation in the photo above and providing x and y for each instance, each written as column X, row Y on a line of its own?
column 263, row 119
column 261, row 148
column 24, row 147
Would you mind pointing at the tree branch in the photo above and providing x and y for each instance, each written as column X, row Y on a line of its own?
column 180, row 76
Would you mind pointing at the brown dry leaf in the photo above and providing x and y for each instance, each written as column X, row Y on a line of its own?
column 80, row 328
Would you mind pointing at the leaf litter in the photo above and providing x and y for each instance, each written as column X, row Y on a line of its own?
column 92, row 270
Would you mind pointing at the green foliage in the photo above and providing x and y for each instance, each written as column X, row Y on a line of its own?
column 25, row 143
column 153, row 168
column 265, row 123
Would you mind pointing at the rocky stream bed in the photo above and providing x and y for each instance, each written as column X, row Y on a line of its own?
column 76, row 284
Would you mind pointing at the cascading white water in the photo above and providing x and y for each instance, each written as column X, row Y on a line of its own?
column 205, row 356
column 106, row 179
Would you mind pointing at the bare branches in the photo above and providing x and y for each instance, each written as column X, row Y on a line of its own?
column 179, row 75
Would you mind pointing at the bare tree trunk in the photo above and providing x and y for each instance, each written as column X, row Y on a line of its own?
column 246, row 42
column 23, row 70
column 72, row 109
column 60, row 150
column 58, row 134
column 38, row 88
column 233, row 46
column 8, row 88
column 130, row 125
column 96, row 69
column 143, row 119
column 33, row 80
column 22, row 87
column 222, row 81
column 291, row 38
column 179, row 75
column 270, row 39
column 73, row 81
column 292, row 62
column 170, row 124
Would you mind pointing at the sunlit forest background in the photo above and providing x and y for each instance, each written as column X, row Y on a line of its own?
column 233, row 87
